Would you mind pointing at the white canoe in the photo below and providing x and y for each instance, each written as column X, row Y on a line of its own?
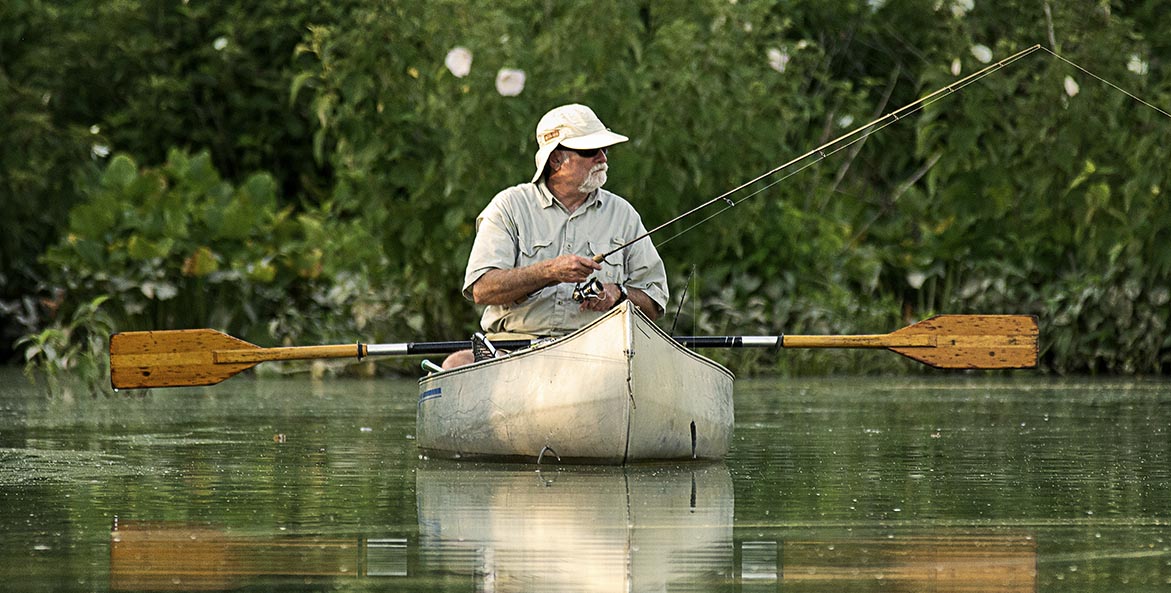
column 618, row 390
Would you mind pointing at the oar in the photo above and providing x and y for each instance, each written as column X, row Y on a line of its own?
column 190, row 357
column 943, row 341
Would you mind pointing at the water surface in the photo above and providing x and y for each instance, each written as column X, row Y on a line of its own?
column 952, row 482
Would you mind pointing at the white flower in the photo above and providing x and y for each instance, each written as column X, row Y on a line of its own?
column 916, row 279
column 159, row 290
column 845, row 121
column 459, row 61
column 778, row 59
column 100, row 151
column 509, row 82
column 956, row 67
column 1071, row 87
column 220, row 43
column 961, row 7
column 95, row 129
column 875, row 4
column 982, row 53
column 1137, row 65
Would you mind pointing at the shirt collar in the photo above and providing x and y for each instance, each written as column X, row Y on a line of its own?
column 547, row 199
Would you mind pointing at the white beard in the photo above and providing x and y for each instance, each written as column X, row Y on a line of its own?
column 595, row 179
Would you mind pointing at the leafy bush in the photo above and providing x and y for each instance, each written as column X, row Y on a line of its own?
column 178, row 247
column 69, row 347
column 1037, row 189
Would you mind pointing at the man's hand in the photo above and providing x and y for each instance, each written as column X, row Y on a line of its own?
column 611, row 294
column 570, row 268
column 609, row 297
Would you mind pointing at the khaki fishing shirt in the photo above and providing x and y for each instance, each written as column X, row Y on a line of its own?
column 524, row 225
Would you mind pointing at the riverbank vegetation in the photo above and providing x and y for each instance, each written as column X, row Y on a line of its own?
column 298, row 173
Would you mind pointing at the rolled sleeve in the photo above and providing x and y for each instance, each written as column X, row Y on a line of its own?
column 495, row 247
column 646, row 272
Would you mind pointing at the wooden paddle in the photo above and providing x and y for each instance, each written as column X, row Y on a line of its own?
column 943, row 341
column 190, row 357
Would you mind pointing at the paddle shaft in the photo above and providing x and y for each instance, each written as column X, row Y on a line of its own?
column 255, row 355
column 856, row 341
column 258, row 355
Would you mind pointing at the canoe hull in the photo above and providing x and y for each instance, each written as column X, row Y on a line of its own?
column 618, row 390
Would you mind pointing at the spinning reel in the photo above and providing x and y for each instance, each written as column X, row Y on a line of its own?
column 590, row 289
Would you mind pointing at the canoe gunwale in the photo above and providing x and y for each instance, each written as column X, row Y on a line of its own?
column 567, row 338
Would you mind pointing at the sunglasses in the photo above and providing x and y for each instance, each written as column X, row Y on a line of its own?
column 588, row 153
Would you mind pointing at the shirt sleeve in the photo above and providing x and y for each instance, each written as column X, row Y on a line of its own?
column 495, row 246
column 645, row 270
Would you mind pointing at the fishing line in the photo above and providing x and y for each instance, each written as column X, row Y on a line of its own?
column 854, row 136
column 682, row 299
column 865, row 130
column 1107, row 82
column 732, row 204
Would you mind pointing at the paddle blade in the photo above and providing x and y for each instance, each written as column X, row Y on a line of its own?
column 172, row 358
column 974, row 341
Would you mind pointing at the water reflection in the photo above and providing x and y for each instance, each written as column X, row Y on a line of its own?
column 641, row 528
column 938, row 562
column 481, row 528
column 178, row 556
column 513, row 528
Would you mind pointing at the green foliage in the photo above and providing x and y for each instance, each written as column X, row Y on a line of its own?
column 38, row 157
column 69, row 348
column 339, row 164
column 177, row 246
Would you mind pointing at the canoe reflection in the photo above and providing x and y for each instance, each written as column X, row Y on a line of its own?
column 633, row 528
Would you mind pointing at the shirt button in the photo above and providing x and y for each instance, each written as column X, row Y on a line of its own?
column 569, row 245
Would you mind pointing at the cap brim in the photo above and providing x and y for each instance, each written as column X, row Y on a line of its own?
column 600, row 139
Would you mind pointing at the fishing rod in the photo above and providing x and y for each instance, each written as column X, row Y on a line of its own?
column 854, row 136
column 592, row 288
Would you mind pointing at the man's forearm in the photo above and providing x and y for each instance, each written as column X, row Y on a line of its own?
column 644, row 302
column 507, row 286
column 504, row 287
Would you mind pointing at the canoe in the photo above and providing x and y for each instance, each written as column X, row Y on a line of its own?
column 618, row 390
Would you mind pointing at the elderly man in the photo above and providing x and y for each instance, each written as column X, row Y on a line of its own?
column 535, row 241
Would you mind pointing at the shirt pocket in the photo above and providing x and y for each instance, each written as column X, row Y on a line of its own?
column 614, row 268
column 533, row 250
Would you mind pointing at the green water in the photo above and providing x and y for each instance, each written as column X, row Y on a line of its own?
column 951, row 483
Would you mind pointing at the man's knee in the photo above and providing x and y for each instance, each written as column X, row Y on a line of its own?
column 458, row 359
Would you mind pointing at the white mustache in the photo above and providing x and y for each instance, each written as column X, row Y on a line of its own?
column 594, row 179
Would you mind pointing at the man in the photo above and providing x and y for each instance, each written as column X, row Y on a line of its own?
column 535, row 241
